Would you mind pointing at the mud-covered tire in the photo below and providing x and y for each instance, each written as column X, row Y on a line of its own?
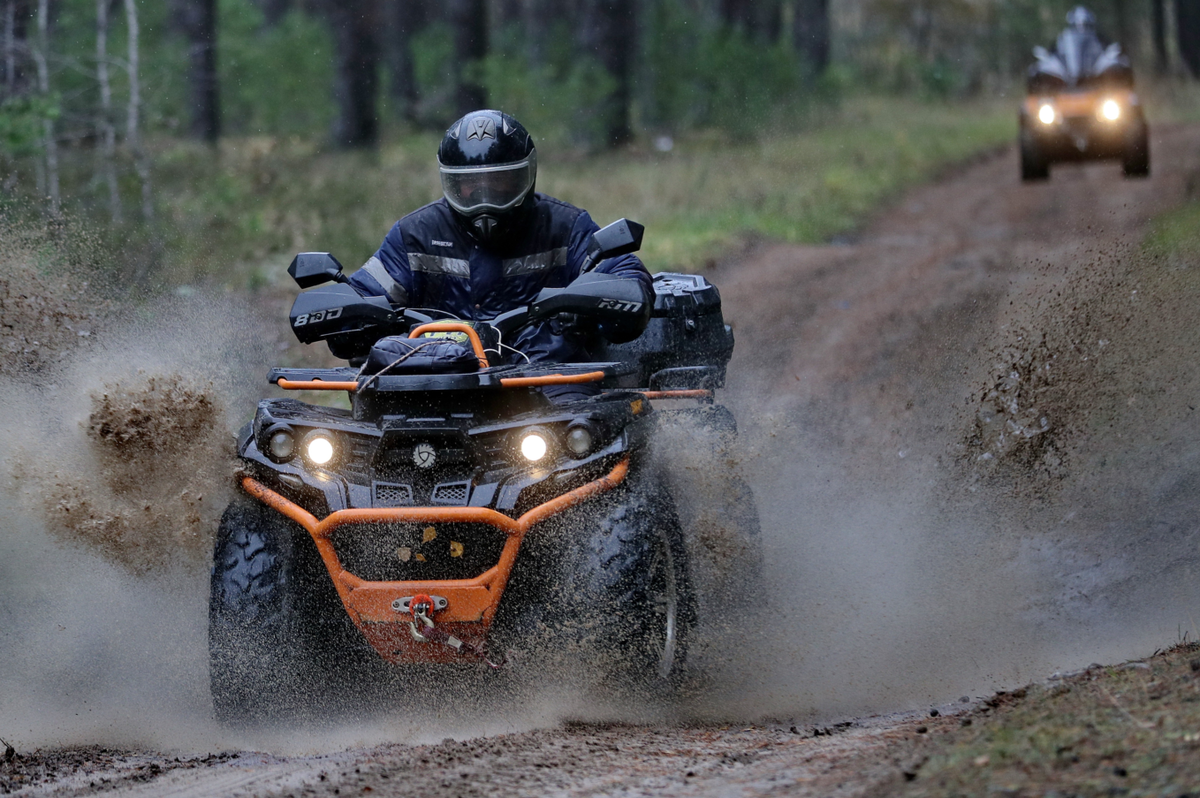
column 633, row 590
column 277, row 633
column 1136, row 160
column 604, row 591
column 1034, row 164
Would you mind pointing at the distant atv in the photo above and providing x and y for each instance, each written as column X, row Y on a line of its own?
column 454, row 511
column 1081, row 106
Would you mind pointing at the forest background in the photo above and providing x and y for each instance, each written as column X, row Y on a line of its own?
column 211, row 139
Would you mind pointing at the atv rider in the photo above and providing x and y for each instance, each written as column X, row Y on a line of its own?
column 1078, row 46
column 492, row 243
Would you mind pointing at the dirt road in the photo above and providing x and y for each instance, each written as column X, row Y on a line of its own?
column 970, row 431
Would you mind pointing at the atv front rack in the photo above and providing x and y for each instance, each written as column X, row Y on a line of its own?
column 377, row 608
column 346, row 379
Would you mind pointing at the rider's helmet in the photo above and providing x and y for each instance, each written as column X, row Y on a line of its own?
column 488, row 165
column 1081, row 20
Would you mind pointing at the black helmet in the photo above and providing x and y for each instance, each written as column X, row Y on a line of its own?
column 488, row 165
column 1081, row 20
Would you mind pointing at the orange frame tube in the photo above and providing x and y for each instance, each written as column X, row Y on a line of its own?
column 455, row 326
column 698, row 393
column 472, row 602
column 552, row 379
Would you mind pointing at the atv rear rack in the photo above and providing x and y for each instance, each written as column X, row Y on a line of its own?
column 471, row 603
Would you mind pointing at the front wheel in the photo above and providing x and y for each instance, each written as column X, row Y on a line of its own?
column 277, row 634
column 1136, row 160
column 606, row 588
column 1034, row 164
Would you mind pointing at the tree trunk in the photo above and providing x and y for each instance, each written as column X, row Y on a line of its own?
column 107, row 129
column 273, row 11
column 198, row 21
column 1187, row 30
column 1158, row 34
column 403, row 20
column 810, row 33
column 538, row 19
column 16, row 81
column 50, row 145
column 141, row 163
column 507, row 12
column 608, row 32
column 468, row 19
column 760, row 20
column 355, row 23
column 1124, row 33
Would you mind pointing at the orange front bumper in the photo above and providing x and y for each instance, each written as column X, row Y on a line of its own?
column 471, row 603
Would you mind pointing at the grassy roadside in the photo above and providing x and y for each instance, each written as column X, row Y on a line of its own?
column 238, row 217
column 1129, row 729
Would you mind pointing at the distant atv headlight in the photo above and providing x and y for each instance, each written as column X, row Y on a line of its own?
column 281, row 443
column 1046, row 114
column 535, row 444
column 1111, row 110
column 580, row 439
column 319, row 447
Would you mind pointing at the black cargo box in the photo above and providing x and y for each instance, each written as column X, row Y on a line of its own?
column 687, row 343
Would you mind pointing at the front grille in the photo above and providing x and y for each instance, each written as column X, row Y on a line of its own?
column 418, row 551
column 388, row 494
column 455, row 493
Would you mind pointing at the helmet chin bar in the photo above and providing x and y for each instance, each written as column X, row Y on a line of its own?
column 485, row 227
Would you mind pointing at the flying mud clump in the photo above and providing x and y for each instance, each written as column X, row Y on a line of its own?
column 148, row 491
column 1012, row 429
column 41, row 321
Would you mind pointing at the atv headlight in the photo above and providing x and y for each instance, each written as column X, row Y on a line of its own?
column 580, row 439
column 1046, row 114
column 319, row 447
column 1111, row 110
column 534, row 445
column 281, row 443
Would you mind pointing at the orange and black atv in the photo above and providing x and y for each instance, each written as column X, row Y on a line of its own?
column 455, row 513
column 1081, row 106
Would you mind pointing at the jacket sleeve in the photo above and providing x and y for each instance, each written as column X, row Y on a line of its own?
column 387, row 273
column 627, row 266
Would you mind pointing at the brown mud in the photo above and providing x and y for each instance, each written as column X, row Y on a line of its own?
column 972, row 438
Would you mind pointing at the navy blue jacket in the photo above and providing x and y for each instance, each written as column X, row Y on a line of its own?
column 429, row 261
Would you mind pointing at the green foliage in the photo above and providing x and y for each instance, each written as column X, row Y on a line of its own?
column 22, row 123
column 239, row 218
column 433, row 53
column 277, row 80
column 553, row 99
column 698, row 76
column 1176, row 235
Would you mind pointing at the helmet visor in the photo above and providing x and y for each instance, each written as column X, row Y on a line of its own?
column 478, row 189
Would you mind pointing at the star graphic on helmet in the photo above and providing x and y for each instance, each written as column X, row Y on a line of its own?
column 482, row 128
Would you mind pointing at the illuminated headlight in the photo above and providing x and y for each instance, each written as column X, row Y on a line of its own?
column 319, row 447
column 534, row 446
column 1111, row 110
column 281, row 444
column 580, row 440
column 1046, row 114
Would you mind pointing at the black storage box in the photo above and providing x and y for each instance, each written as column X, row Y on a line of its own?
column 686, row 344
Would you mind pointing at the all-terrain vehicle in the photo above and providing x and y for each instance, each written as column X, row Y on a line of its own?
column 1081, row 105
column 454, row 512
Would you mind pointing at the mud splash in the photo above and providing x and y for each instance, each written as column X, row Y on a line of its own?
column 147, row 490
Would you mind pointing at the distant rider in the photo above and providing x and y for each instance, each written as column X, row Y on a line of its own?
column 1079, row 46
column 491, row 243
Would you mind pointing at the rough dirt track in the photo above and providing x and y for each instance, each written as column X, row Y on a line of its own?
column 856, row 379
